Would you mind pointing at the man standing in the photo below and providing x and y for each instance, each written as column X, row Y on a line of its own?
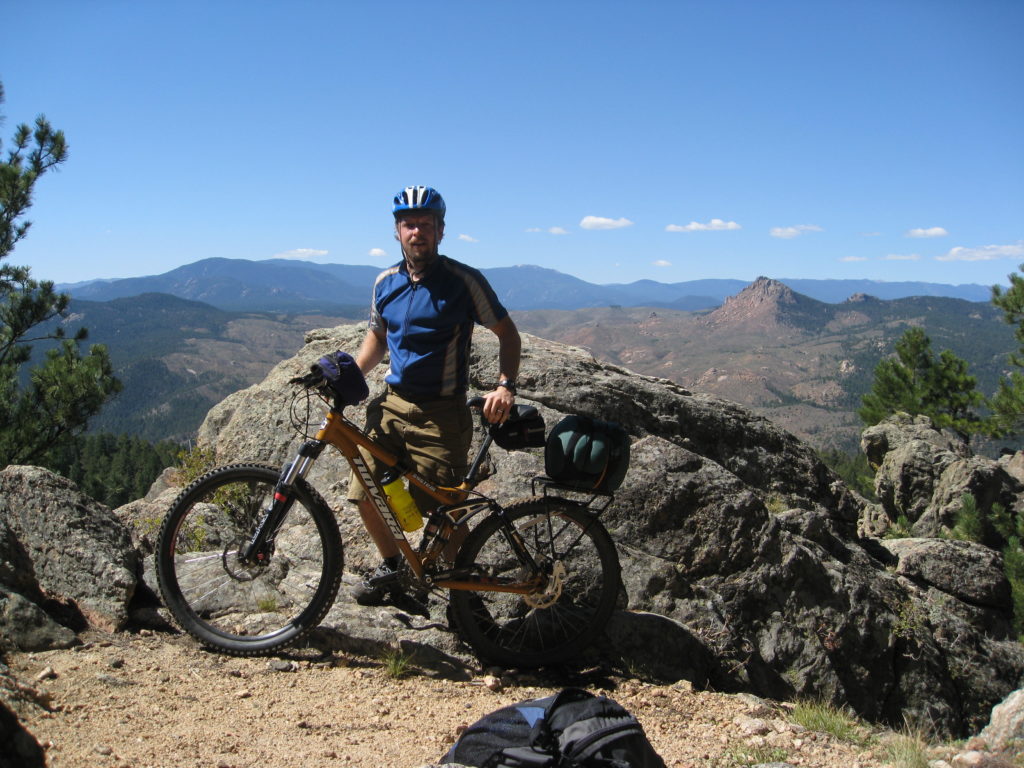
column 422, row 314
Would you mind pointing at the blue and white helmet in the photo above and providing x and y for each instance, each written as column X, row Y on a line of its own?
column 425, row 199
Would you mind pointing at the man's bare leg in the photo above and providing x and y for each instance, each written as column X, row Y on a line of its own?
column 378, row 529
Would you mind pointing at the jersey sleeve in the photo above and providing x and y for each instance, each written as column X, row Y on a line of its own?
column 376, row 321
column 487, row 309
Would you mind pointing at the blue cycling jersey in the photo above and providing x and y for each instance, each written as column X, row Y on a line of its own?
column 429, row 324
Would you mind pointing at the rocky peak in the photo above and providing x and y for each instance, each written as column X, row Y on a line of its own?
column 764, row 305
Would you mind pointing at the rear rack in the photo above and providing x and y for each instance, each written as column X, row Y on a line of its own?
column 596, row 501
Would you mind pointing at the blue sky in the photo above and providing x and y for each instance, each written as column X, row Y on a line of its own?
column 613, row 141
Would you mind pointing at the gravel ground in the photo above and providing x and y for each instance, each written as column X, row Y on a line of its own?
column 157, row 700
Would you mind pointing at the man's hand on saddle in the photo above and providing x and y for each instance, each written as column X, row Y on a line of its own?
column 498, row 405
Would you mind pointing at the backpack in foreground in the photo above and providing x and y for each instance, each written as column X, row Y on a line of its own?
column 569, row 729
column 588, row 454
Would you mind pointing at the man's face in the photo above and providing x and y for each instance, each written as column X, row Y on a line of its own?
column 419, row 234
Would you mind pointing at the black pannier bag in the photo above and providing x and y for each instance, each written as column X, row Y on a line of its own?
column 524, row 430
column 587, row 454
column 571, row 728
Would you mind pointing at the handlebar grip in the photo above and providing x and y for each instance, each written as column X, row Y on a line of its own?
column 475, row 402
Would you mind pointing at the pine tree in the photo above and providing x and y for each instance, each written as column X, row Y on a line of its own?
column 64, row 391
column 1008, row 402
column 918, row 383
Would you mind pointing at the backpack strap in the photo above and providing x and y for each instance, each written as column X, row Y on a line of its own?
column 583, row 738
column 584, row 724
column 523, row 757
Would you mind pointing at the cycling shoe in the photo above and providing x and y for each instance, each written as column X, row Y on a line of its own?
column 377, row 585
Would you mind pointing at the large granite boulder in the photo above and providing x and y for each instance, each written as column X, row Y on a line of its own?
column 65, row 561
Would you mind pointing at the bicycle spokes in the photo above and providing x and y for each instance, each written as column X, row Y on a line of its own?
column 226, row 599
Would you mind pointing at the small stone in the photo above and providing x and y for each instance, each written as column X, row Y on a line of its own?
column 492, row 683
column 972, row 759
column 46, row 674
column 751, row 726
column 102, row 749
column 683, row 685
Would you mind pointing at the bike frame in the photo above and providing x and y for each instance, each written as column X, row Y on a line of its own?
column 455, row 503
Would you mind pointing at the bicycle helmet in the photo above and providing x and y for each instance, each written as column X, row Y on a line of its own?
column 425, row 199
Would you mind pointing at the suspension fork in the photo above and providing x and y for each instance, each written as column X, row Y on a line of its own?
column 273, row 517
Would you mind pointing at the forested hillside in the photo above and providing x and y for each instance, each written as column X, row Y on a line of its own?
column 177, row 358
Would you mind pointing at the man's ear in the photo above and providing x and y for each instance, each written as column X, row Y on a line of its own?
column 440, row 231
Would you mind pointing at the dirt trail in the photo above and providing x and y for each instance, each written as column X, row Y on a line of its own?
column 158, row 701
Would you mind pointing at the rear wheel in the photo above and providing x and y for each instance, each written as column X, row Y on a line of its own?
column 241, row 608
column 554, row 624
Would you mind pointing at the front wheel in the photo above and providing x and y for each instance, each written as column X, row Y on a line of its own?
column 554, row 624
column 247, row 608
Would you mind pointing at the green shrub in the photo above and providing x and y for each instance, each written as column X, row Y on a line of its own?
column 827, row 718
column 195, row 462
column 999, row 525
column 970, row 525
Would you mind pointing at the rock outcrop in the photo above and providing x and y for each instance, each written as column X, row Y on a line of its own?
column 745, row 560
column 924, row 473
column 741, row 557
column 65, row 561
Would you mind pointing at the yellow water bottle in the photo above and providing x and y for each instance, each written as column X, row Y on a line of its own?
column 402, row 503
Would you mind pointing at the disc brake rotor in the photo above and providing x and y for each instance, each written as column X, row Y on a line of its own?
column 235, row 568
column 549, row 596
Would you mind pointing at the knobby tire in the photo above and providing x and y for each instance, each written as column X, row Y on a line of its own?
column 517, row 630
column 238, row 609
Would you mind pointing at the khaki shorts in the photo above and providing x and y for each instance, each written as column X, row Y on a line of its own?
column 432, row 436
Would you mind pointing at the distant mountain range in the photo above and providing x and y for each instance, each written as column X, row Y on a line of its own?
column 802, row 363
column 184, row 340
column 288, row 286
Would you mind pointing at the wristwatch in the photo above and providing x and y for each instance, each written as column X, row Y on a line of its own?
column 508, row 384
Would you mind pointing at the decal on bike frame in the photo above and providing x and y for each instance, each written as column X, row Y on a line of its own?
column 378, row 498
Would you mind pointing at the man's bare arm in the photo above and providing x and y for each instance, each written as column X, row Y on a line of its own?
column 372, row 351
column 499, row 402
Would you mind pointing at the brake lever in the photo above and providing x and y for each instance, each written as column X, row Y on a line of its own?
column 309, row 381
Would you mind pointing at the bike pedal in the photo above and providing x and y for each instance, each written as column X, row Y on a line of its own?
column 383, row 579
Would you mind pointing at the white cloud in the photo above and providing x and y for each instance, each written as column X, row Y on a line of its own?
column 854, row 258
column 984, row 252
column 715, row 225
column 468, row 239
column 903, row 257
column 302, row 254
column 662, row 263
column 550, row 230
column 378, row 253
column 930, row 232
column 599, row 222
column 787, row 233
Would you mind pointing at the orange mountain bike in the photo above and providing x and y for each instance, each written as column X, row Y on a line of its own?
column 249, row 558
